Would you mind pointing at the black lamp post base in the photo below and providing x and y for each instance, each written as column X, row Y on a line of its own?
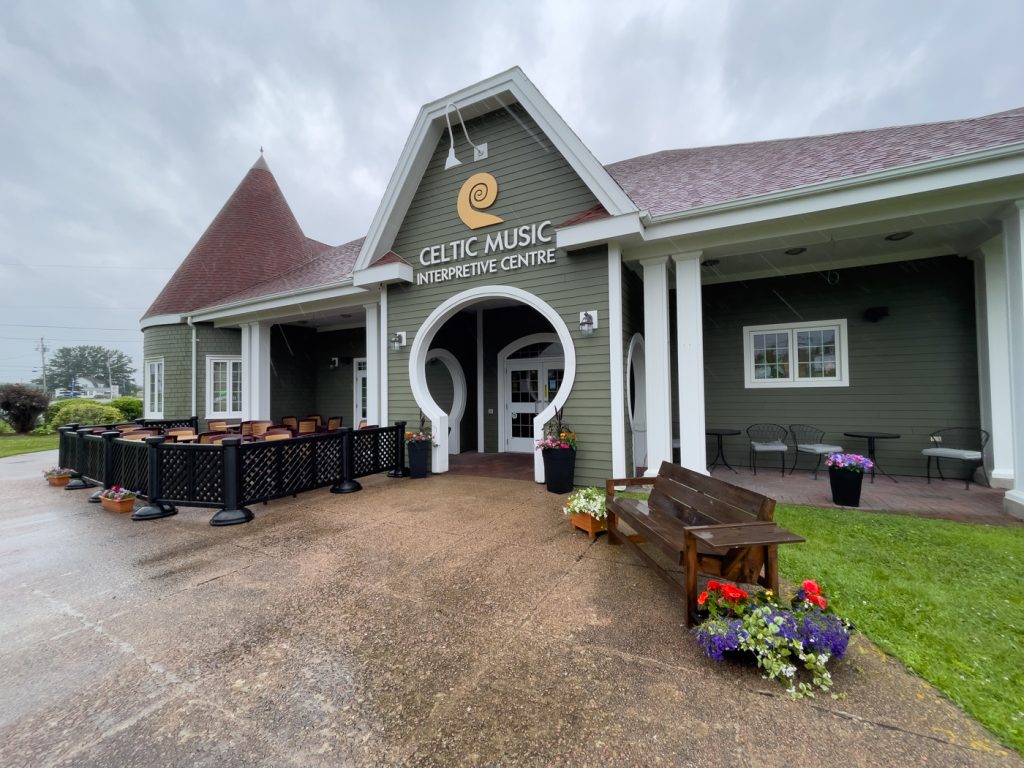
column 346, row 486
column 154, row 511
column 232, row 517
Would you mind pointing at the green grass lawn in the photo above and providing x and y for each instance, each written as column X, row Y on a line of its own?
column 945, row 598
column 12, row 445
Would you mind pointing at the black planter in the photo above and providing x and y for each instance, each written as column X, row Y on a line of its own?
column 559, row 468
column 419, row 458
column 845, row 486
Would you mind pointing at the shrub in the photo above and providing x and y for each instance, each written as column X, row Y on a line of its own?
column 55, row 406
column 86, row 412
column 131, row 407
column 21, row 405
column 5, row 428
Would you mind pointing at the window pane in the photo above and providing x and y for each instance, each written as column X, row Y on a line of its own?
column 220, row 386
column 236, row 386
column 828, row 337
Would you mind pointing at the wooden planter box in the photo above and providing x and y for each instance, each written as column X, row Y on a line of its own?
column 588, row 524
column 123, row 505
column 59, row 481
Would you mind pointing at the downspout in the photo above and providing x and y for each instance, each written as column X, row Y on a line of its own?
column 193, row 327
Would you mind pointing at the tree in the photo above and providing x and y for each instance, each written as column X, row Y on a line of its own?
column 20, row 405
column 99, row 365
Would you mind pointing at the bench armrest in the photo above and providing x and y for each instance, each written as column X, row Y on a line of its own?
column 609, row 485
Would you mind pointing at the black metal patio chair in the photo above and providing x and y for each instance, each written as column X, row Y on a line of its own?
column 767, row 438
column 809, row 439
column 964, row 444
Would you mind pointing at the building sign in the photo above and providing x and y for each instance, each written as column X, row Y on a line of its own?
column 468, row 257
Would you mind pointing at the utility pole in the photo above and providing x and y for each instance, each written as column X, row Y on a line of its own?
column 110, row 380
column 43, row 349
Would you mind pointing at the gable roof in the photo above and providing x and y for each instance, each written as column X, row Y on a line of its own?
column 253, row 238
column 511, row 86
column 679, row 180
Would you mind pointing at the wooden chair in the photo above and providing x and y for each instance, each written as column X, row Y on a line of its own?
column 181, row 435
column 205, row 438
column 291, row 422
column 218, row 438
column 217, row 426
column 246, row 428
column 278, row 433
column 808, row 439
column 962, row 444
column 139, row 434
column 362, row 424
column 767, row 438
column 259, row 428
column 333, row 423
column 307, row 426
column 318, row 418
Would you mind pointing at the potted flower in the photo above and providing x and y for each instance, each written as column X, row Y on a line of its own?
column 418, row 444
column 559, row 451
column 792, row 644
column 117, row 499
column 845, row 475
column 59, row 476
column 586, row 511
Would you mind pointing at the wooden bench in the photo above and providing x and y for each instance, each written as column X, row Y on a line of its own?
column 702, row 524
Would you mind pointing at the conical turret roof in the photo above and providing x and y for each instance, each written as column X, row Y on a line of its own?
column 253, row 238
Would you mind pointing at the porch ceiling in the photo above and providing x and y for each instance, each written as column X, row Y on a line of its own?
column 934, row 234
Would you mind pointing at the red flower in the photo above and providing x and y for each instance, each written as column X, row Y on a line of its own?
column 811, row 588
column 714, row 586
column 818, row 600
column 733, row 594
column 702, row 598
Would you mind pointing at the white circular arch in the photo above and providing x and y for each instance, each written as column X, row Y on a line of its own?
column 503, row 355
column 636, row 397
column 421, row 346
column 459, row 396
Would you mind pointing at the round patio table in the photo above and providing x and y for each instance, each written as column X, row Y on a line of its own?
column 719, row 434
column 871, row 437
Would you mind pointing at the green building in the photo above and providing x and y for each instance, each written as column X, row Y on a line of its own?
column 862, row 281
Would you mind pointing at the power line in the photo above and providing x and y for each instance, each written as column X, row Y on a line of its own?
column 72, row 327
column 78, row 266
column 87, row 341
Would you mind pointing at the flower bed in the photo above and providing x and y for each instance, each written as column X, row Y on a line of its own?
column 792, row 644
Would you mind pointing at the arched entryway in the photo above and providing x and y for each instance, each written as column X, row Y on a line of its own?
column 454, row 386
column 420, row 350
column 636, row 398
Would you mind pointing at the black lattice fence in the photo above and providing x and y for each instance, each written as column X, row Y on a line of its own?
column 130, row 465
column 164, row 424
column 231, row 474
column 191, row 474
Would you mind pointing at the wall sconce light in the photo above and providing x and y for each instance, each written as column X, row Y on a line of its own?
column 334, row 363
column 397, row 340
column 588, row 322
column 479, row 150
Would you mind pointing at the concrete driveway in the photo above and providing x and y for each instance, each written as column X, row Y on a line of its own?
column 446, row 621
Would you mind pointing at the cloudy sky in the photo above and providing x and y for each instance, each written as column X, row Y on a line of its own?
column 125, row 126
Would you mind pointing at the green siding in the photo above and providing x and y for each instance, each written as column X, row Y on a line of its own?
column 212, row 342
column 173, row 343
column 333, row 388
column 913, row 372
column 293, row 372
column 535, row 184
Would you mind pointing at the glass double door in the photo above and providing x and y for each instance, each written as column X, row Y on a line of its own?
column 530, row 386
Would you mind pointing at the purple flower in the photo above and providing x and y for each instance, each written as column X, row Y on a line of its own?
column 823, row 633
column 716, row 636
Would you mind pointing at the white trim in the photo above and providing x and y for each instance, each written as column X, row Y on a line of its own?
column 690, row 362
column 994, row 360
column 617, row 371
column 146, row 393
column 501, row 367
column 487, row 95
column 480, row 443
column 385, row 350
column 659, row 374
column 637, row 365
column 1013, row 243
column 425, row 335
column 842, row 378
column 230, row 360
column 458, row 400
column 336, row 296
column 195, row 374
column 393, row 272
column 626, row 227
column 150, row 322
column 372, row 364
column 358, row 406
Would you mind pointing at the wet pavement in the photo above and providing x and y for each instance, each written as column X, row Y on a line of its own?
column 454, row 620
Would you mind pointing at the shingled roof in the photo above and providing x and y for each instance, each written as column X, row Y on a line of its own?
column 679, row 180
column 254, row 238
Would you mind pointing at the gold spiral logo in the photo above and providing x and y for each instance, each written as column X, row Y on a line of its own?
column 479, row 191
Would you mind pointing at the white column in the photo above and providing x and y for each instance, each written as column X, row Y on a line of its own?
column 479, row 381
column 256, row 370
column 384, row 347
column 372, row 364
column 690, row 362
column 1013, row 239
column 994, row 360
column 659, row 378
column 615, row 360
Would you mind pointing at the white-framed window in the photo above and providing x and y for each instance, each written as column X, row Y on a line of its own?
column 359, row 389
column 224, row 387
column 811, row 354
column 153, row 389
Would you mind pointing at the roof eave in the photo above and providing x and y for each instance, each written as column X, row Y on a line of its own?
column 338, row 289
